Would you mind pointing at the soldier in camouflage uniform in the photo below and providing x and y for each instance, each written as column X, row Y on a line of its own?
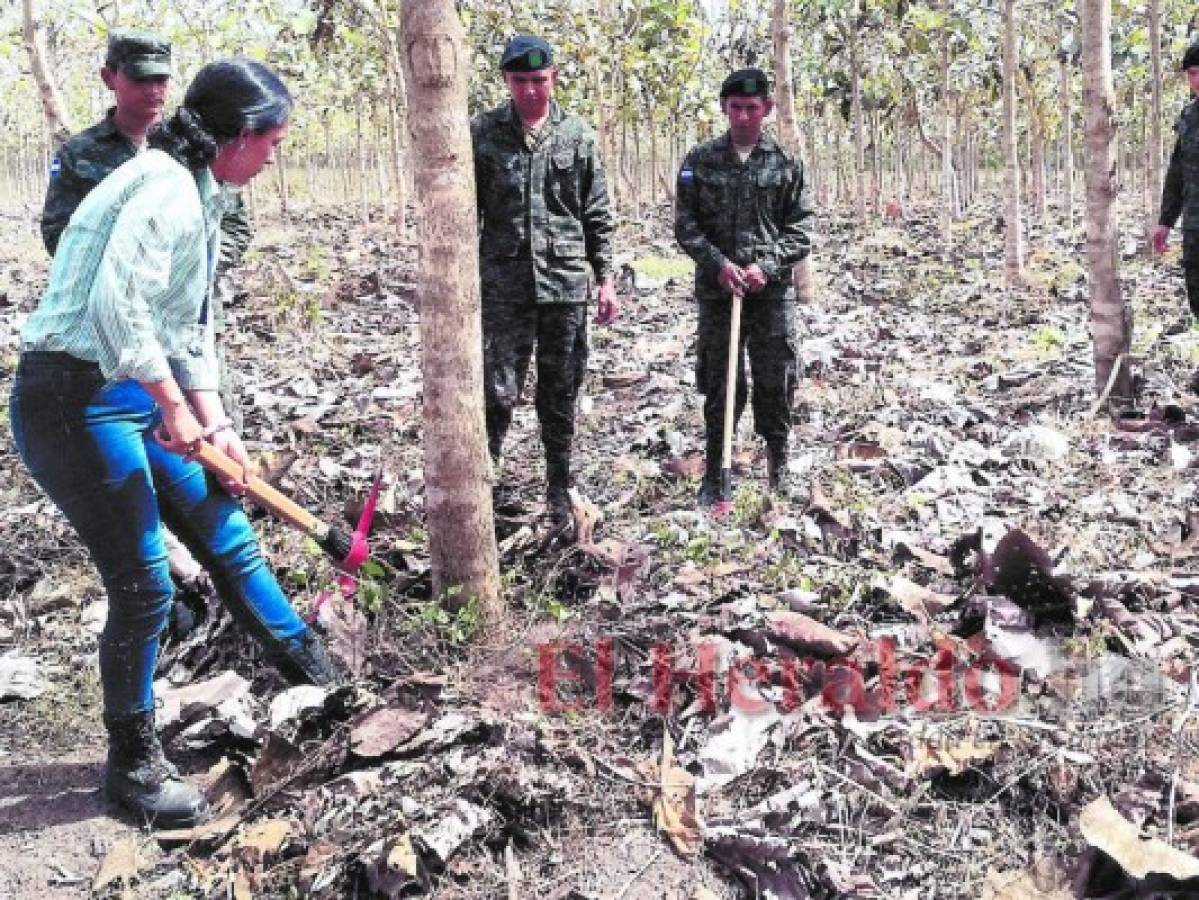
column 740, row 207
column 1180, row 192
column 137, row 69
column 545, row 230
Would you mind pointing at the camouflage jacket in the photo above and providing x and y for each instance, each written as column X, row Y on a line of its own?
column 545, row 225
column 751, row 212
column 89, row 157
column 1180, row 192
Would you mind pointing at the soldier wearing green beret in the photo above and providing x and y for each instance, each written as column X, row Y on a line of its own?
column 740, row 209
column 1180, row 191
column 545, row 232
column 137, row 69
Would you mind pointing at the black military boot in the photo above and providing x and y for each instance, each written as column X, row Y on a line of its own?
column 709, row 488
column 305, row 661
column 776, row 467
column 139, row 777
column 557, row 489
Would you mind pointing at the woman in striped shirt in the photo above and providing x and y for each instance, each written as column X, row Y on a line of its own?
column 118, row 380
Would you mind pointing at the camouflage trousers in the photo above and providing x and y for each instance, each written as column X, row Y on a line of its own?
column 768, row 339
column 511, row 332
column 1190, row 267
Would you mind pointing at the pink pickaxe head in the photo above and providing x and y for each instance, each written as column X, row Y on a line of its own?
column 347, row 580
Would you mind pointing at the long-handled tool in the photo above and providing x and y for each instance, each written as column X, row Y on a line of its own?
column 725, row 504
column 348, row 551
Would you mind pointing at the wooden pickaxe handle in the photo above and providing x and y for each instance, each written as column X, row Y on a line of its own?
column 260, row 492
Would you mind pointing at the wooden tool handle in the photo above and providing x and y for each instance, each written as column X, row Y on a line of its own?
column 730, row 385
column 259, row 491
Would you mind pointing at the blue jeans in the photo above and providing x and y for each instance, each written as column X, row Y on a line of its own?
column 88, row 445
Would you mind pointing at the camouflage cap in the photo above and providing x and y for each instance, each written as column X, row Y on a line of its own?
column 527, row 53
column 746, row 83
column 138, row 54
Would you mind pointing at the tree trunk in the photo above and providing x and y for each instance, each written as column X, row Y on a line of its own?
column 950, row 206
column 363, row 202
column 784, row 97
column 1013, row 244
column 52, row 105
column 1067, row 104
column 1111, row 319
column 859, row 136
column 1036, row 138
column 462, row 547
column 281, row 182
column 1154, row 173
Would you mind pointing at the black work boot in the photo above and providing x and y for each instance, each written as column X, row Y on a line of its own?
column 776, row 467
column 557, row 490
column 710, row 488
column 305, row 660
column 139, row 777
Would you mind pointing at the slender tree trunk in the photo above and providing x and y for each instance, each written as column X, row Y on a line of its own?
column 1067, row 151
column 876, row 163
column 784, row 94
column 1111, row 318
column 1154, row 188
column 57, row 121
column 859, row 135
column 281, row 182
column 1036, row 138
column 462, row 545
column 949, row 206
column 1013, row 245
column 360, row 153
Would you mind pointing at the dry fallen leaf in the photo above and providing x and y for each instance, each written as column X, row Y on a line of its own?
column 673, row 800
column 1107, row 830
column 685, row 466
column 1042, row 882
column 267, row 838
column 806, row 634
column 379, row 731
column 120, row 864
column 931, row 757
column 917, row 600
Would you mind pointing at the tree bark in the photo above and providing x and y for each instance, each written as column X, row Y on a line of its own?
column 57, row 121
column 950, row 205
column 1067, row 104
column 859, row 136
column 1111, row 318
column 1153, row 189
column 1013, row 244
column 784, row 98
column 462, row 547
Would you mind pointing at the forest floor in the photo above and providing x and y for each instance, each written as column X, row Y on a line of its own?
column 1000, row 711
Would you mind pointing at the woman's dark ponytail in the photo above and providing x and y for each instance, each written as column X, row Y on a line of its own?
column 185, row 138
column 224, row 100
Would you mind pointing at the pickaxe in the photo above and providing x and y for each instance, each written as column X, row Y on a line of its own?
column 349, row 551
column 724, row 505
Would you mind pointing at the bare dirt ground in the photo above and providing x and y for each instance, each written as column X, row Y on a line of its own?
column 934, row 402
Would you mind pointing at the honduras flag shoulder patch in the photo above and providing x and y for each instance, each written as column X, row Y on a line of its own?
column 55, row 166
column 687, row 174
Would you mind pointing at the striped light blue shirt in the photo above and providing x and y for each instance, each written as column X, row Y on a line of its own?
column 130, row 284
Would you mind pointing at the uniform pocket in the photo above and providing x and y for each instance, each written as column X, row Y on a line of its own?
column 567, row 248
column 710, row 189
column 770, row 188
column 563, row 177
